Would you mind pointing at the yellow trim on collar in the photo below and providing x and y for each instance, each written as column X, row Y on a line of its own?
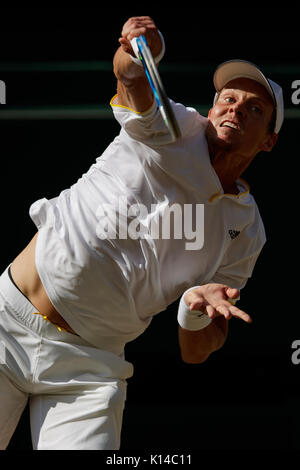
column 215, row 195
column 220, row 193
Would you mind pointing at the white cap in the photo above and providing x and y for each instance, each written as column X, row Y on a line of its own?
column 232, row 69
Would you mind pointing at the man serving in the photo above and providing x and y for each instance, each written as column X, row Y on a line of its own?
column 73, row 298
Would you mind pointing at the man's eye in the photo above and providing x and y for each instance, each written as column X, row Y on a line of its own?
column 229, row 99
column 256, row 109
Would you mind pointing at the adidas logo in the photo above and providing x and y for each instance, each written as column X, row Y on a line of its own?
column 233, row 233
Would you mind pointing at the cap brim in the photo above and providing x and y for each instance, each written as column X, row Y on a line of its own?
column 233, row 69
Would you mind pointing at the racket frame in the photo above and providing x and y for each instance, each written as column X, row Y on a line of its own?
column 158, row 89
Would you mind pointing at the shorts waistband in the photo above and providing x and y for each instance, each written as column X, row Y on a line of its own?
column 28, row 314
column 21, row 310
column 17, row 300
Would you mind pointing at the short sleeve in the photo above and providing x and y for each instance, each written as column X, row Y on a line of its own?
column 239, row 261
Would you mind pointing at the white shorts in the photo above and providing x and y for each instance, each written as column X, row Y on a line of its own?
column 76, row 392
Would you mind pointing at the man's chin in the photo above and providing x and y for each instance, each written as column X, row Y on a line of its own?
column 222, row 139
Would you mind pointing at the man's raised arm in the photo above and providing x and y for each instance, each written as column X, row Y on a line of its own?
column 133, row 87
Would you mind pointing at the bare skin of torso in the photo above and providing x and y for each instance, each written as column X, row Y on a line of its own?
column 25, row 275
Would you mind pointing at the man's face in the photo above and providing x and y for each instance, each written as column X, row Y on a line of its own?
column 241, row 118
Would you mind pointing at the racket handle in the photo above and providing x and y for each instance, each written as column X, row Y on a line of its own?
column 135, row 48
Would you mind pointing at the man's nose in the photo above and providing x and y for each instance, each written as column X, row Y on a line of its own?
column 238, row 108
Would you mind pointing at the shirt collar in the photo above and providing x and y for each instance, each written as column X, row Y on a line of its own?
column 243, row 187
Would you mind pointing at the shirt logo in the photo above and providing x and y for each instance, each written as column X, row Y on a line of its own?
column 233, row 233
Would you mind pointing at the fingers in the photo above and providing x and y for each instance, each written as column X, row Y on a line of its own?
column 197, row 304
column 136, row 32
column 228, row 311
column 126, row 46
column 238, row 313
column 212, row 300
column 136, row 26
column 211, row 311
column 225, row 309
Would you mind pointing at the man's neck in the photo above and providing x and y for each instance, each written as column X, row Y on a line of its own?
column 229, row 167
column 230, row 189
column 229, row 164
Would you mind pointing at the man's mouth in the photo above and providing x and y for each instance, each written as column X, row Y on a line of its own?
column 230, row 124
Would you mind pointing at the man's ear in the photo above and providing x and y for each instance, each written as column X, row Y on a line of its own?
column 209, row 112
column 269, row 143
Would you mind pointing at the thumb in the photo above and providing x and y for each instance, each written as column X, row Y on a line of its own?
column 126, row 46
column 197, row 305
column 232, row 293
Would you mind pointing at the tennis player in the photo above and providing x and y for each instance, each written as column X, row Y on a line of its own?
column 79, row 291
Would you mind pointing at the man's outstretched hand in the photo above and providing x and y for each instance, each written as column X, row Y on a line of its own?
column 214, row 300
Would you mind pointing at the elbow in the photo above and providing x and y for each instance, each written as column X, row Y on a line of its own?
column 194, row 358
column 198, row 356
column 197, row 346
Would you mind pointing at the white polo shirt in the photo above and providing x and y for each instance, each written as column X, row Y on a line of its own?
column 108, row 289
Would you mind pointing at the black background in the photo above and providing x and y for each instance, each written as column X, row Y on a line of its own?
column 246, row 395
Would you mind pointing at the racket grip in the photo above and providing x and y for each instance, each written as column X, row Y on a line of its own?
column 135, row 48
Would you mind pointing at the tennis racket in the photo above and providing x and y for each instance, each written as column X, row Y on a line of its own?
column 145, row 56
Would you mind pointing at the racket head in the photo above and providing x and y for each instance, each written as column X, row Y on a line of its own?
column 157, row 86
